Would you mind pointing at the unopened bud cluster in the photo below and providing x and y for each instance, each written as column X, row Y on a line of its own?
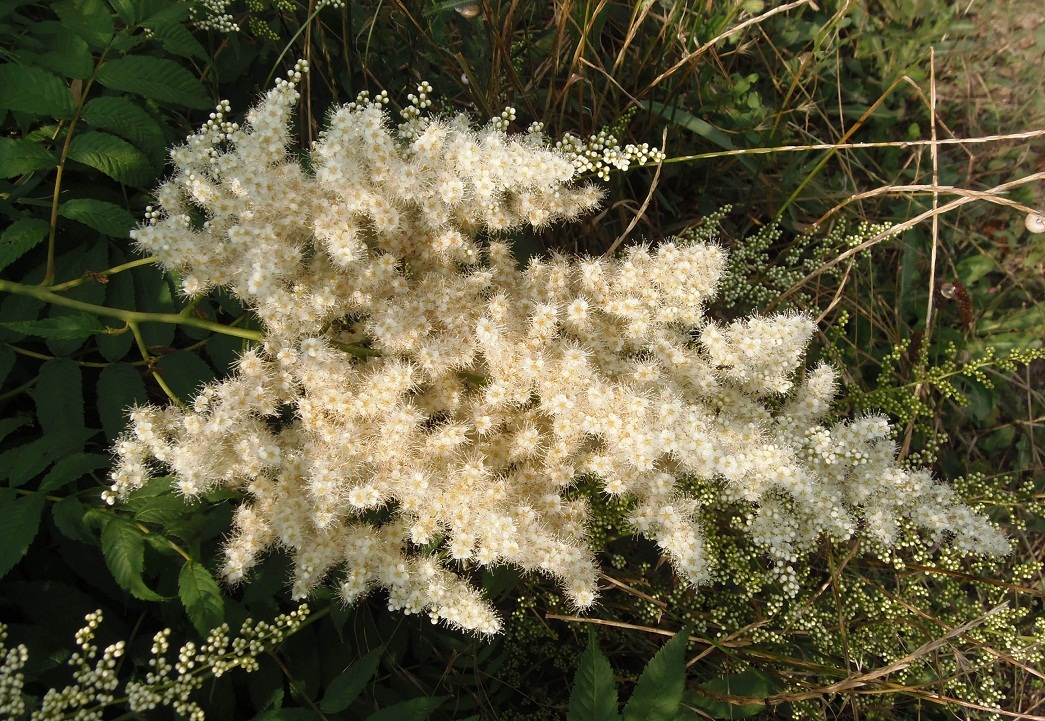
column 455, row 436
column 164, row 683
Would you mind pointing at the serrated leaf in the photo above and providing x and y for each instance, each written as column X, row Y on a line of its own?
column 63, row 52
column 416, row 709
column 88, row 19
column 346, row 686
column 153, row 292
column 10, row 425
column 59, row 397
column 125, row 10
column 177, row 40
column 72, row 468
column 18, row 465
column 35, row 91
column 746, row 684
column 594, row 695
column 7, row 362
column 287, row 714
column 18, row 156
column 184, row 372
column 124, row 549
column 201, row 597
column 107, row 218
column 66, row 327
column 21, row 521
column 131, row 122
column 20, row 237
column 119, row 387
column 68, row 519
column 658, row 692
column 155, row 78
column 113, row 156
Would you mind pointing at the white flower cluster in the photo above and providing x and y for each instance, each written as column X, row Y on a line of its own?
column 455, row 438
column 95, row 677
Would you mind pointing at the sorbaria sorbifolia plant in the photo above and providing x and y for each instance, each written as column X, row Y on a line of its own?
column 481, row 392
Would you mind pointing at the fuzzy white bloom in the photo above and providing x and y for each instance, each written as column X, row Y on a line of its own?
column 487, row 390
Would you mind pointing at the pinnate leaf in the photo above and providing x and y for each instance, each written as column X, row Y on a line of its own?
column 72, row 468
column 21, row 521
column 156, row 78
column 594, row 695
column 20, row 237
column 120, row 386
column 416, row 709
column 18, row 156
column 658, row 693
column 131, row 122
column 117, row 158
column 88, row 19
column 347, row 686
column 124, row 549
column 59, row 396
column 201, row 597
column 35, row 91
column 65, row 327
column 107, row 218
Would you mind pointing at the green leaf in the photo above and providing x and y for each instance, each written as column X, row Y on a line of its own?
column 7, row 362
column 35, row 91
column 594, row 695
column 21, row 521
column 201, row 597
column 120, row 386
column 177, row 40
column 59, row 396
column 64, row 327
column 68, row 519
column 155, row 78
column 747, row 684
column 287, row 714
column 18, row 465
column 184, row 372
column 346, row 687
column 19, row 156
column 88, row 19
column 153, row 291
column 416, row 709
column 107, row 218
column 658, row 693
column 64, row 52
column 72, row 468
column 124, row 549
column 117, row 158
column 20, row 237
column 10, row 425
column 128, row 120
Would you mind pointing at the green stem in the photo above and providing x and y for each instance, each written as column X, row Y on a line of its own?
column 104, row 274
column 150, row 360
column 130, row 317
